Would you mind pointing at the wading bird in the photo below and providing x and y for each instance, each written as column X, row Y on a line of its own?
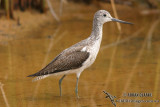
column 79, row 56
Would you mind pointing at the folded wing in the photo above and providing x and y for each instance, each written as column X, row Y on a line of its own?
column 63, row 62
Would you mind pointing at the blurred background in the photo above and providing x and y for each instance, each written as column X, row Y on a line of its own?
column 33, row 32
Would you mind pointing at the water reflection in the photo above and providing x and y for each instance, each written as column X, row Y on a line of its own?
column 121, row 67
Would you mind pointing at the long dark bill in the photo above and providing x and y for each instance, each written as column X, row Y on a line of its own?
column 121, row 21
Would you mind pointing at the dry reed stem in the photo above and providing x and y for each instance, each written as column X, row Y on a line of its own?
column 134, row 67
column 158, row 66
column 11, row 7
column 115, row 48
column 150, row 33
column 156, row 82
column 115, row 14
column 61, row 8
column 46, row 57
column 7, row 8
column 4, row 95
column 122, row 41
column 9, row 61
column 138, row 58
column 52, row 11
column 111, row 64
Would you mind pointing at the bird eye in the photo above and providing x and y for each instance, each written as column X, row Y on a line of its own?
column 104, row 15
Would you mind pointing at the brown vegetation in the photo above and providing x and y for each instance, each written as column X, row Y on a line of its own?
column 7, row 6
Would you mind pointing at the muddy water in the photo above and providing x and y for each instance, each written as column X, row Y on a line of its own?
column 130, row 66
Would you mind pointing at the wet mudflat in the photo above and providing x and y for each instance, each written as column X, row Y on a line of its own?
column 128, row 65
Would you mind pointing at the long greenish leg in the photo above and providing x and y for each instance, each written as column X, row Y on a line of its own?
column 60, row 81
column 76, row 90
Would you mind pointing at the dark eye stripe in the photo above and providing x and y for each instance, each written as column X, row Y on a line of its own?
column 104, row 15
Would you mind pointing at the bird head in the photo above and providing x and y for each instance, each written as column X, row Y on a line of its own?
column 103, row 16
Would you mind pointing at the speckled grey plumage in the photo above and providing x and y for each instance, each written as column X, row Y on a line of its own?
column 67, row 60
column 73, row 57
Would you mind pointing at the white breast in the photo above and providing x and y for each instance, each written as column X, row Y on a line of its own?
column 93, row 50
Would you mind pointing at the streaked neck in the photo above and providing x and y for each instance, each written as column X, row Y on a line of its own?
column 96, row 30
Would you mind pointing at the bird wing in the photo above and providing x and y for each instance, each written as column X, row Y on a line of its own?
column 67, row 60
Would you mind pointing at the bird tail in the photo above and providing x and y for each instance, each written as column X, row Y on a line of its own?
column 37, row 77
column 40, row 77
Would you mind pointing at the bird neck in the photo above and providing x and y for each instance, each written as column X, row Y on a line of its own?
column 96, row 30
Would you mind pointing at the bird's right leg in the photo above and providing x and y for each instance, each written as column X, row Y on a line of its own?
column 60, row 81
column 76, row 90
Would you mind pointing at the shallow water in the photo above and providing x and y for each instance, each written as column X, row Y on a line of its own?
column 131, row 66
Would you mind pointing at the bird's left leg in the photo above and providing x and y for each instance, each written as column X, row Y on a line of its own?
column 60, row 81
